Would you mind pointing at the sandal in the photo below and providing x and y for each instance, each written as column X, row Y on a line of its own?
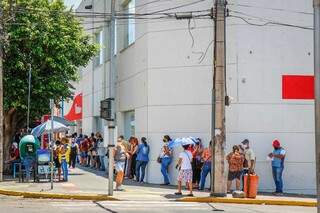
column 190, row 195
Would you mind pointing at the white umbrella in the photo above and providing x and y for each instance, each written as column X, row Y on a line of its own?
column 46, row 128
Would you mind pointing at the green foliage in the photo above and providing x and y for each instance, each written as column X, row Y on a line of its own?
column 50, row 38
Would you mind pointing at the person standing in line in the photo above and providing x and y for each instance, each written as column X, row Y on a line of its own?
column 133, row 155
column 84, row 147
column 101, row 151
column 126, row 146
column 206, row 168
column 249, row 159
column 185, row 170
column 142, row 159
column 78, row 142
column 129, row 158
column 235, row 160
column 91, row 146
column 56, row 154
column 119, row 154
column 165, row 159
column 73, row 153
column 196, row 163
column 64, row 157
column 277, row 162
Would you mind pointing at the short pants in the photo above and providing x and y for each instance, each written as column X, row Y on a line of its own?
column 84, row 154
column 185, row 175
column 234, row 175
column 119, row 166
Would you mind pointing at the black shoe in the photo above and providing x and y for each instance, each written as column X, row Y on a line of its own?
column 164, row 184
column 178, row 193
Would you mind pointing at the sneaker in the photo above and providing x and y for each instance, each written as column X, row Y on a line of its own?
column 164, row 184
column 190, row 195
column 178, row 193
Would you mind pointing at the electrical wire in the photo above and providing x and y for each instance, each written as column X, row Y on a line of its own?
column 141, row 5
column 270, row 8
column 270, row 23
column 205, row 53
column 177, row 7
column 190, row 33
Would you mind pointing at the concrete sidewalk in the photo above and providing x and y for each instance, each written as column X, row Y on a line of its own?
column 88, row 184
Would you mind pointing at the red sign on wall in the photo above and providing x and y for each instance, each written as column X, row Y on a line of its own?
column 297, row 87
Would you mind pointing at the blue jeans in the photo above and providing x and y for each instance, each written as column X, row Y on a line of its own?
column 164, row 169
column 206, row 169
column 277, row 177
column 64, row 166
column 141, row 165
column 102, row 166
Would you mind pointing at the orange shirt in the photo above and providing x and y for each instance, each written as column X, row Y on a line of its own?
column 235, row 161
column 206, row 155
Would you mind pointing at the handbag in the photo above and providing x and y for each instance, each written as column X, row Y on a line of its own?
column 159, row 159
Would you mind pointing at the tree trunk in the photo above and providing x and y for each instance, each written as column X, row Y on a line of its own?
column 10, row 125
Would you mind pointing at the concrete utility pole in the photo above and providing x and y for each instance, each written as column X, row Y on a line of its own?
column 218, row 187
column 1, row 91
column 316, row 5
column 111, row 123
column 29, row 98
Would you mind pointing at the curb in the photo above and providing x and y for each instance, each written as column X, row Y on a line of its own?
column 93, row 197
column 248, row 201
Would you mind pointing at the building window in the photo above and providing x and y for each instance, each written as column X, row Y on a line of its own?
column 107, row 45
column 130, row 28
column 98, row 60
column 129, row 124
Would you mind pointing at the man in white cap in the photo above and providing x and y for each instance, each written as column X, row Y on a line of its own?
column 250, row 159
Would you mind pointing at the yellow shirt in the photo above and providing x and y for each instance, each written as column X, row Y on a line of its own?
column 64, row 153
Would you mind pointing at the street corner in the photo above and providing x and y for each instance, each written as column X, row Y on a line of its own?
column 60, row 196
column 282, row 202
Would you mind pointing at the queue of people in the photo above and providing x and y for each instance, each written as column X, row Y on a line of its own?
column 131, row 159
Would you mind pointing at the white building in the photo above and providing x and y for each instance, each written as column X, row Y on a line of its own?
column 164, row 84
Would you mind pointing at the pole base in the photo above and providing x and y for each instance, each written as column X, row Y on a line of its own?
column 213, row 194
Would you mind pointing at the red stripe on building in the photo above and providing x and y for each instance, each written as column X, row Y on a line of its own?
column 297, row 87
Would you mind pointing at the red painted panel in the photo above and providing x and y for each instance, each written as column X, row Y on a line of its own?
column 297, row 87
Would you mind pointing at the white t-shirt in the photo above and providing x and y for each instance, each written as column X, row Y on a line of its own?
column 249, row 156
column 186, row 160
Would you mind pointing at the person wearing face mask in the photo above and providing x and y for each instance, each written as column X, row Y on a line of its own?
column 165, row 158
column 277, row 162
column 249, row 159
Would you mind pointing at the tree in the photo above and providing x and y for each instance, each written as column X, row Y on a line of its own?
column 50, row 38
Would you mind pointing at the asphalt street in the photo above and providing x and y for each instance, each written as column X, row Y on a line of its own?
column 21, row 205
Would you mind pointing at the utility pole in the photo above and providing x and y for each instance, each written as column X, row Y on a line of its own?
column 1, row 90
column 29, row 97
column 112, row 72
column 51, row 139
column 218, row 183
column 316, row 6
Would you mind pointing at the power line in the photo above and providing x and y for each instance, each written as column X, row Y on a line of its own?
column 177, row 7
column 270, row 8
column 141, row 5
column 271, row 23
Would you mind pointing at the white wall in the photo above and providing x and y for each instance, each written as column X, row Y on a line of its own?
column 161, row 78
